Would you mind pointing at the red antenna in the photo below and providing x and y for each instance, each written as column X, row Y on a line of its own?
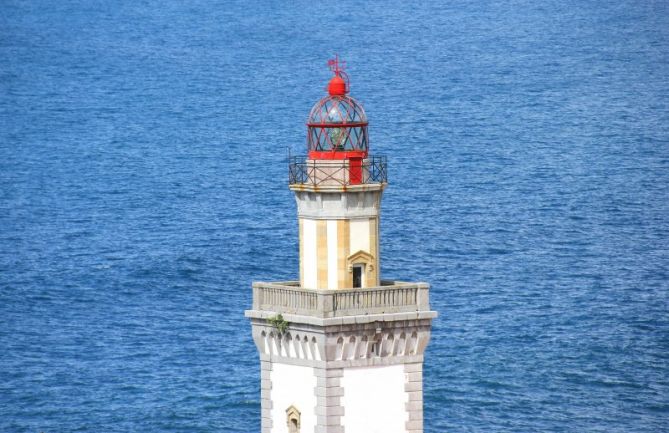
column 337, row 67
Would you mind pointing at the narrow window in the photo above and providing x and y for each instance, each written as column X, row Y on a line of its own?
column 293, row 419
column 358, row 271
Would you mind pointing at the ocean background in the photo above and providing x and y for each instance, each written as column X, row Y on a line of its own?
column 143, row 186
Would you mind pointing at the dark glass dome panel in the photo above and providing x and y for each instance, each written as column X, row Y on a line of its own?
column 337, row 110
column 337, row 123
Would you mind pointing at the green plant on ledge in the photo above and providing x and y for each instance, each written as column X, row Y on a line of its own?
column 279, row 323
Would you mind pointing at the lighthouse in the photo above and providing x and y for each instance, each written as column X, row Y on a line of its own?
column 341, row 350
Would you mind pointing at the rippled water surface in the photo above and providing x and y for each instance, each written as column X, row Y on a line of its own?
column 143, row 187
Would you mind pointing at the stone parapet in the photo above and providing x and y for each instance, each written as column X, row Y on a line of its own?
column 390, row 297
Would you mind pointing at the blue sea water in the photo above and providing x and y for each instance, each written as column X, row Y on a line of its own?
column 143, row 186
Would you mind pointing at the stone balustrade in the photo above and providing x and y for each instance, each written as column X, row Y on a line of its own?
column 391, row 297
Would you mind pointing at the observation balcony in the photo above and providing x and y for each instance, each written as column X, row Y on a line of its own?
column 391, row 297
column 337, row 172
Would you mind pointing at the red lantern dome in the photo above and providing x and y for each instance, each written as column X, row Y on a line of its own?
column 337, row 124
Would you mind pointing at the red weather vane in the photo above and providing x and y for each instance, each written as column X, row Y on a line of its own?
column 337, row 66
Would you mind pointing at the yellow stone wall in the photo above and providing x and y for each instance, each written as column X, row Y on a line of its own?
column 329, row 248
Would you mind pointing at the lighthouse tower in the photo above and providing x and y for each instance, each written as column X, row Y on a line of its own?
column 341, row 350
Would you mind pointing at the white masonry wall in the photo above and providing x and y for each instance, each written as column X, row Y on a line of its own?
column 293, row 385
column 333, row 253
column 310, row 253
column 360, row 235
column 374, row 400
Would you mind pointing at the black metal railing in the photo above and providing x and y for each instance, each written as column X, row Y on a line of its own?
column 373, row 169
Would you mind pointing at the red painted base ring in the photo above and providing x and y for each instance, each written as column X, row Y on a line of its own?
column 347, row 154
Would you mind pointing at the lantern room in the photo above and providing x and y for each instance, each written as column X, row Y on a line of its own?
column 337, row 124
column 337, row 141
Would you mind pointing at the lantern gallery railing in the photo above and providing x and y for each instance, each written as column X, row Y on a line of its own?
column 390, row 297
column 337, row 172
